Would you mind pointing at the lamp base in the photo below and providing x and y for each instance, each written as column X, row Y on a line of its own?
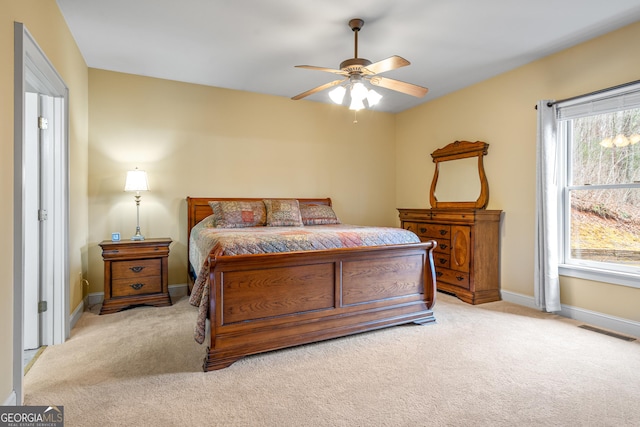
column 138, row 235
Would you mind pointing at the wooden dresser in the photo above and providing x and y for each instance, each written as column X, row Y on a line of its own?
column 467, row 257
column 135, row 273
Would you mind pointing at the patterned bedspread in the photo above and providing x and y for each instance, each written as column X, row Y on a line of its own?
column 205, row 238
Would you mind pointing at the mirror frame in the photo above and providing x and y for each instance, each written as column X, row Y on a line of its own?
column 461, row 150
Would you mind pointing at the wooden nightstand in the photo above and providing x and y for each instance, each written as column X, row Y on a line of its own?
column 135, row 273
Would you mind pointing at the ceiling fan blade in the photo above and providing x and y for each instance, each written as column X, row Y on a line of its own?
column 328, row 70
column 388, row 64
column 397, row 85
column 317, row 89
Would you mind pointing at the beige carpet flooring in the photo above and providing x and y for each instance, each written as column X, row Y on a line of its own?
column 496, row 364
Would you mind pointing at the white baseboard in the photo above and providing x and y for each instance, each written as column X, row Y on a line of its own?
column 75, row 316
column 11, row 400
column 94, row 298
column 612, row 323
column 178, row 291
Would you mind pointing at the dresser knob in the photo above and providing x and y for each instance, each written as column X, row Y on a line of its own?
column 443, row 246
column 442, row 260
column 423, row 230
column 137, row 286
column 460, row 278
column 439, row 273
column 136, row 269
column 443, row 232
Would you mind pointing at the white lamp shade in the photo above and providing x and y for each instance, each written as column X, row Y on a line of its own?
column 373, row 97
column 358, row 92
column 136, row 181
column 337, row 94
column 356, row 104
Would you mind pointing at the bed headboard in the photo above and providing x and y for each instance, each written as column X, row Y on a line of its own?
column 198, row 207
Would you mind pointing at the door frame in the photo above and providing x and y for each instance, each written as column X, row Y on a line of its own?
column 34, row 72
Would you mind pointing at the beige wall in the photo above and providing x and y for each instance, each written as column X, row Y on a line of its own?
column 45, row 23
column 500, row 111
column 201, row 141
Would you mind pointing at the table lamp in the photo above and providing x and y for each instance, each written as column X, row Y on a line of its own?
column 137, row 181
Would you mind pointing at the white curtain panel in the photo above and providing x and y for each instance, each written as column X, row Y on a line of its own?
column 546, row 282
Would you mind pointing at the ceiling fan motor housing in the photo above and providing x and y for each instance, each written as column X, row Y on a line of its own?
column 354, row 65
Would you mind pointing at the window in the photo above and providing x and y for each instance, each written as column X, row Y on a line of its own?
column 599, row 185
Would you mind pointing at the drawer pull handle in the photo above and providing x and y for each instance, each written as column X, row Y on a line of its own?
column 443, row 246
column 443, row 232
column 439, row 273
column 423, row 230
column 442, row 260
column 137, row 286
column 136, row 269
column 460, row 278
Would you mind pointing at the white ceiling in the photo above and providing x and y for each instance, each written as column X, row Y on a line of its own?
column 253, row 45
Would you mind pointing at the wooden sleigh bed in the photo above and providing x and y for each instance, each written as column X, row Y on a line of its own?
column 262, row 302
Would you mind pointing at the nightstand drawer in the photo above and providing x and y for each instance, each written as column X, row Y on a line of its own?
column 136, row 268
column 136, row 286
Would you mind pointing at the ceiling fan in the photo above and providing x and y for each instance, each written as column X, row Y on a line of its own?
column 356, row 70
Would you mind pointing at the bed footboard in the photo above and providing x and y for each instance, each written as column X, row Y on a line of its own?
column 265, row 302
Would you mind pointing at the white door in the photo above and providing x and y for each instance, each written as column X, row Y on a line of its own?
column 39, row 196
column 31, row 272
column 47, row 218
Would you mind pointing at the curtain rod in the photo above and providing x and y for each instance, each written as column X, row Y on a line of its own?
column 551, row 104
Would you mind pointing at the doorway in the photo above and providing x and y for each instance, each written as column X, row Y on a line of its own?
column 40, row 180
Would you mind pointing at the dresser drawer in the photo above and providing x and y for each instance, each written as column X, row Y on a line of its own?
column 436, row 231
column 411, row 226
column 136, row 268
column 441, row 260
column 452, row 277
column 443, row 247
column 136, row 286
column 453, row 216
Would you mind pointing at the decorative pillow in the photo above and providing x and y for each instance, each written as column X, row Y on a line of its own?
column 313, row 214
column 283, row 212
column 238, row 214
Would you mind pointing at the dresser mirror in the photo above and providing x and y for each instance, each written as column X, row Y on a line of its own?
column 459, row 180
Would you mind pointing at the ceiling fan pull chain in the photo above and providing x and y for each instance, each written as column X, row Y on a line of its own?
column 355, row 117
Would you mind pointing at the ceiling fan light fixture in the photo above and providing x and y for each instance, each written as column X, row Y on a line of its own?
column 373, row 97
column 356, row 104
column 355, row 71
column 337, row 94
column 359, row 92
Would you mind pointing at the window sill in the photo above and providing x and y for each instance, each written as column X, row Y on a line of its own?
column 600, row 275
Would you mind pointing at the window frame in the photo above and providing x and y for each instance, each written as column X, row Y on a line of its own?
column 585, row 269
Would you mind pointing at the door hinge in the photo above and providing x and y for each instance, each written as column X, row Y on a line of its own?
column 42, row 215
column 43, row 123
column 42, row 306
